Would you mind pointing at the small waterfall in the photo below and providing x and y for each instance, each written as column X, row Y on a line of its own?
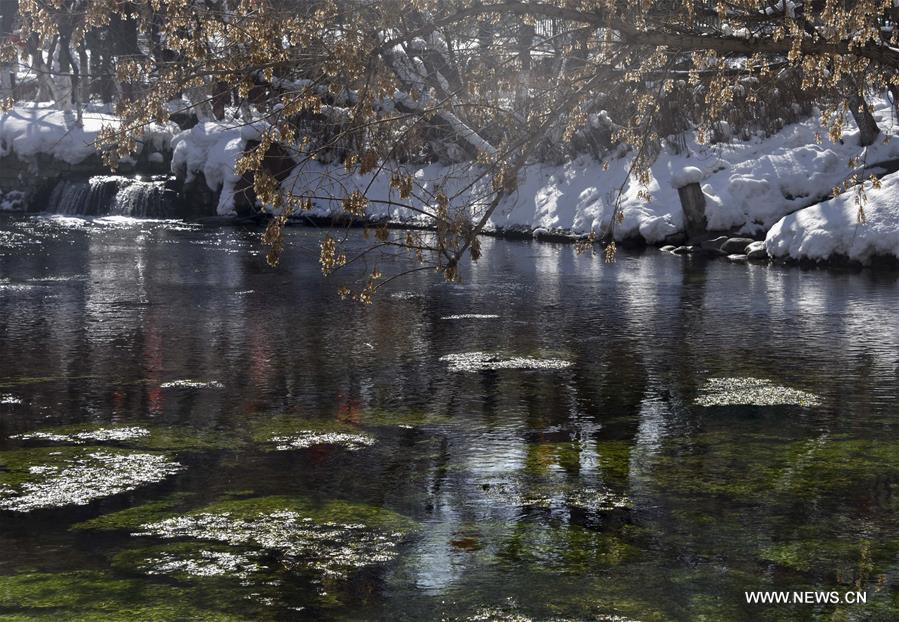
column 113, row 195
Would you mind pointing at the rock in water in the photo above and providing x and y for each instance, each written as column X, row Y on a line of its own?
column 683, row 250
column 713, row 244
column 736, row 258
column 736, row 245
column 757, row 252
column 668, row 248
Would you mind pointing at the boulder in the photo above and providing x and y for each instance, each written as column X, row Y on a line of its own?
column 756, row 252
column 736, row 245
column 737, row 258
column 713, row 244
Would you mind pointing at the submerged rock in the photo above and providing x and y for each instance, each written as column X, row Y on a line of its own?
column 482, row 361
column 752, row 392
column 683, row 250
column 84, row 477
column 668, row 248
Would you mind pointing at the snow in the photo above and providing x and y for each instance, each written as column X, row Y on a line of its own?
column 212, row 148
column 688, row 175
column 832, row 228
column 748, row 186
column 30, row 130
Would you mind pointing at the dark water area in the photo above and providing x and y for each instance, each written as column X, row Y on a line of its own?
column 643, row 440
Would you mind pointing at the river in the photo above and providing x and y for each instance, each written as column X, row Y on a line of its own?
column 642, row 440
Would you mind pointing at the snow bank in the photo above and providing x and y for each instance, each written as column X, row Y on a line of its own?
column 32, row 130
column 832, row 227
column 749, row 185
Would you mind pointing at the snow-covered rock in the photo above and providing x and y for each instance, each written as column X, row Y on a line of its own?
column 212, row 148
column 833, row 228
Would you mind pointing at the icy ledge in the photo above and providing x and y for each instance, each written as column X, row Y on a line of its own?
column 831, row 229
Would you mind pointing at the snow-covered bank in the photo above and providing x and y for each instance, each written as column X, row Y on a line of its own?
column 29, row 131
column 748, row 185
column 832, row 228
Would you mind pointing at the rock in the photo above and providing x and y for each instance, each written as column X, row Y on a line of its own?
column 756, row 252
column 675, row 239
column 737, row 258
column 668, row 248
column 736, row 245
column 714, row 244
column 709, row 252
column 683, row 250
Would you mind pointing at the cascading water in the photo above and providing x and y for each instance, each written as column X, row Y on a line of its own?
column 113, row 195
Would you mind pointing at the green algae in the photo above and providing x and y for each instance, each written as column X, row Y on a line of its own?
column 133, row 517
column 567, row 549
column 150, row 437
column 760, row 467
column 614, row 460
column 83, row 596
column 328, row 511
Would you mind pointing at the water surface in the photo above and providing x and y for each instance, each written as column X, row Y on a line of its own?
column 554, row 438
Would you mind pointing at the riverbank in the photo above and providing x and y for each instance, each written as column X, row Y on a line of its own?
column 777, row 190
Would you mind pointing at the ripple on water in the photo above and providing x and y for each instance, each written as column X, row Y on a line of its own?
column 752, row 392
column 483, row 361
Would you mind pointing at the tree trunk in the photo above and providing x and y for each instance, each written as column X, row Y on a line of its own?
column 867, row 126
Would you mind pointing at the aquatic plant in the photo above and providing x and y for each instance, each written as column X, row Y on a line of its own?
column 192, row 384
column 482, row 361
column 330, row 548
column 752, row 392
column 307, row 438
column 205, row 563
column 83, row 477
column 79, row 438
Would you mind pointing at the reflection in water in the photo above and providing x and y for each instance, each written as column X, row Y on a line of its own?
column 592, row 487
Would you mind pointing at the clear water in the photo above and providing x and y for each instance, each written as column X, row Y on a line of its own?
column 345, row 472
